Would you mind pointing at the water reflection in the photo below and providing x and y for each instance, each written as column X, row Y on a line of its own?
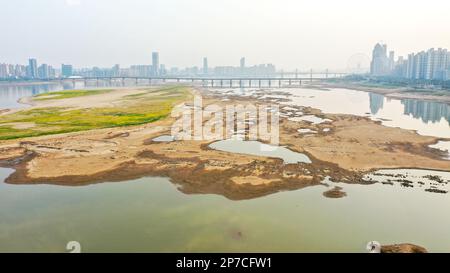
column 428, row 111
column 11, row 93
column 426, row 117
column 376, row 102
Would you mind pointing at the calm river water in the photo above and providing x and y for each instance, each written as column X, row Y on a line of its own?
column 151, row 215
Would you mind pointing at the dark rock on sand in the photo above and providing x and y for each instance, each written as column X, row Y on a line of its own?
column 336, row 192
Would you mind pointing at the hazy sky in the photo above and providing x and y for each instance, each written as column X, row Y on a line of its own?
column 289, row 33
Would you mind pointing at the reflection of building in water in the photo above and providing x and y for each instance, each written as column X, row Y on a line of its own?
column 427, row 110
column 376, row 102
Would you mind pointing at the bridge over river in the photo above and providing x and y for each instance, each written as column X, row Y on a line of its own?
column 228, row 82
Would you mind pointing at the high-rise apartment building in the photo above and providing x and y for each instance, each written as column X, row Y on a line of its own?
column 66, row 70
column 380, row 62
column 155, row 63
column 32, row 69
column 205, row 65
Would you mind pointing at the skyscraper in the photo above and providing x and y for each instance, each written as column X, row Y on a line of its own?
column 3, row 71
column 32, row 69
column 155, row 63
column 380, row 62
column 66, row 70
column 43, row 71
column 242, row 64
column 205, row 65
column 391, row 60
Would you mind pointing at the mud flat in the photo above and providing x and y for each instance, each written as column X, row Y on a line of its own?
column 350, row 148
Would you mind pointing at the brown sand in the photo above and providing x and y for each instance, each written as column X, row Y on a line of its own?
column 354, row 146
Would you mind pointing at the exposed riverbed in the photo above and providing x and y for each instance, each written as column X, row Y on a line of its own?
column 151, row 214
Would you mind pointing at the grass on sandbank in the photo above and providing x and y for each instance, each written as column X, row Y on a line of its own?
column 151, row 105
column 67, row 94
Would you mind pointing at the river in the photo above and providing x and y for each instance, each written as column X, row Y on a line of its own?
column 151, row 215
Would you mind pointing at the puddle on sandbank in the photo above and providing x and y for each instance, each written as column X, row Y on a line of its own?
column 251, row 147
column 311, row 119
column 443, row 146
column 306, row 131
column 164, row 138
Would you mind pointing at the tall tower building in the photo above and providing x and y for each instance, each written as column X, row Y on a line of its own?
column 205, row 65
column 242, row 64
column 66, row 70
column 32, row 69
column 43, row 71
column 391, row 60
column 380, row 62
column 155, row 63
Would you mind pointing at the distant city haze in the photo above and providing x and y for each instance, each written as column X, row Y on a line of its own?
column 291, row 34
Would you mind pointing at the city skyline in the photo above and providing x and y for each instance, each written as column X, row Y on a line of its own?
column 35, row 70
column 430, row 64
column 291, row 34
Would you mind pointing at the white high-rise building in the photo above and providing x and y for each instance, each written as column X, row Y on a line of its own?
column 430, row 65
column 155, row 63
column 3, row 71
column 380, row 62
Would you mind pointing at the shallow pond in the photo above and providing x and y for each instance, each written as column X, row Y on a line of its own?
column 259, row 149
column 164, row 138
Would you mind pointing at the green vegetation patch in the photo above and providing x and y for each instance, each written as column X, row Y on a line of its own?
column 153, row 105
column 67, row 94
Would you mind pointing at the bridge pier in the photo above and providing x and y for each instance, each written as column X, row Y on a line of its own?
column 231, row 83
column 270, row 83
column 249, row 83
column 221, row 83
column 290, row 82
column 240, row 83
column 212, row 83
column 279, row 83
column 259, row 83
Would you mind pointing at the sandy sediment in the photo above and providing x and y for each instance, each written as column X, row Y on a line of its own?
column 403, row 248
column 351, row 147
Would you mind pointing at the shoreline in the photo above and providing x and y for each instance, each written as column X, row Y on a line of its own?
column 25, row 83
column 345, row 153
column 398, row 93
